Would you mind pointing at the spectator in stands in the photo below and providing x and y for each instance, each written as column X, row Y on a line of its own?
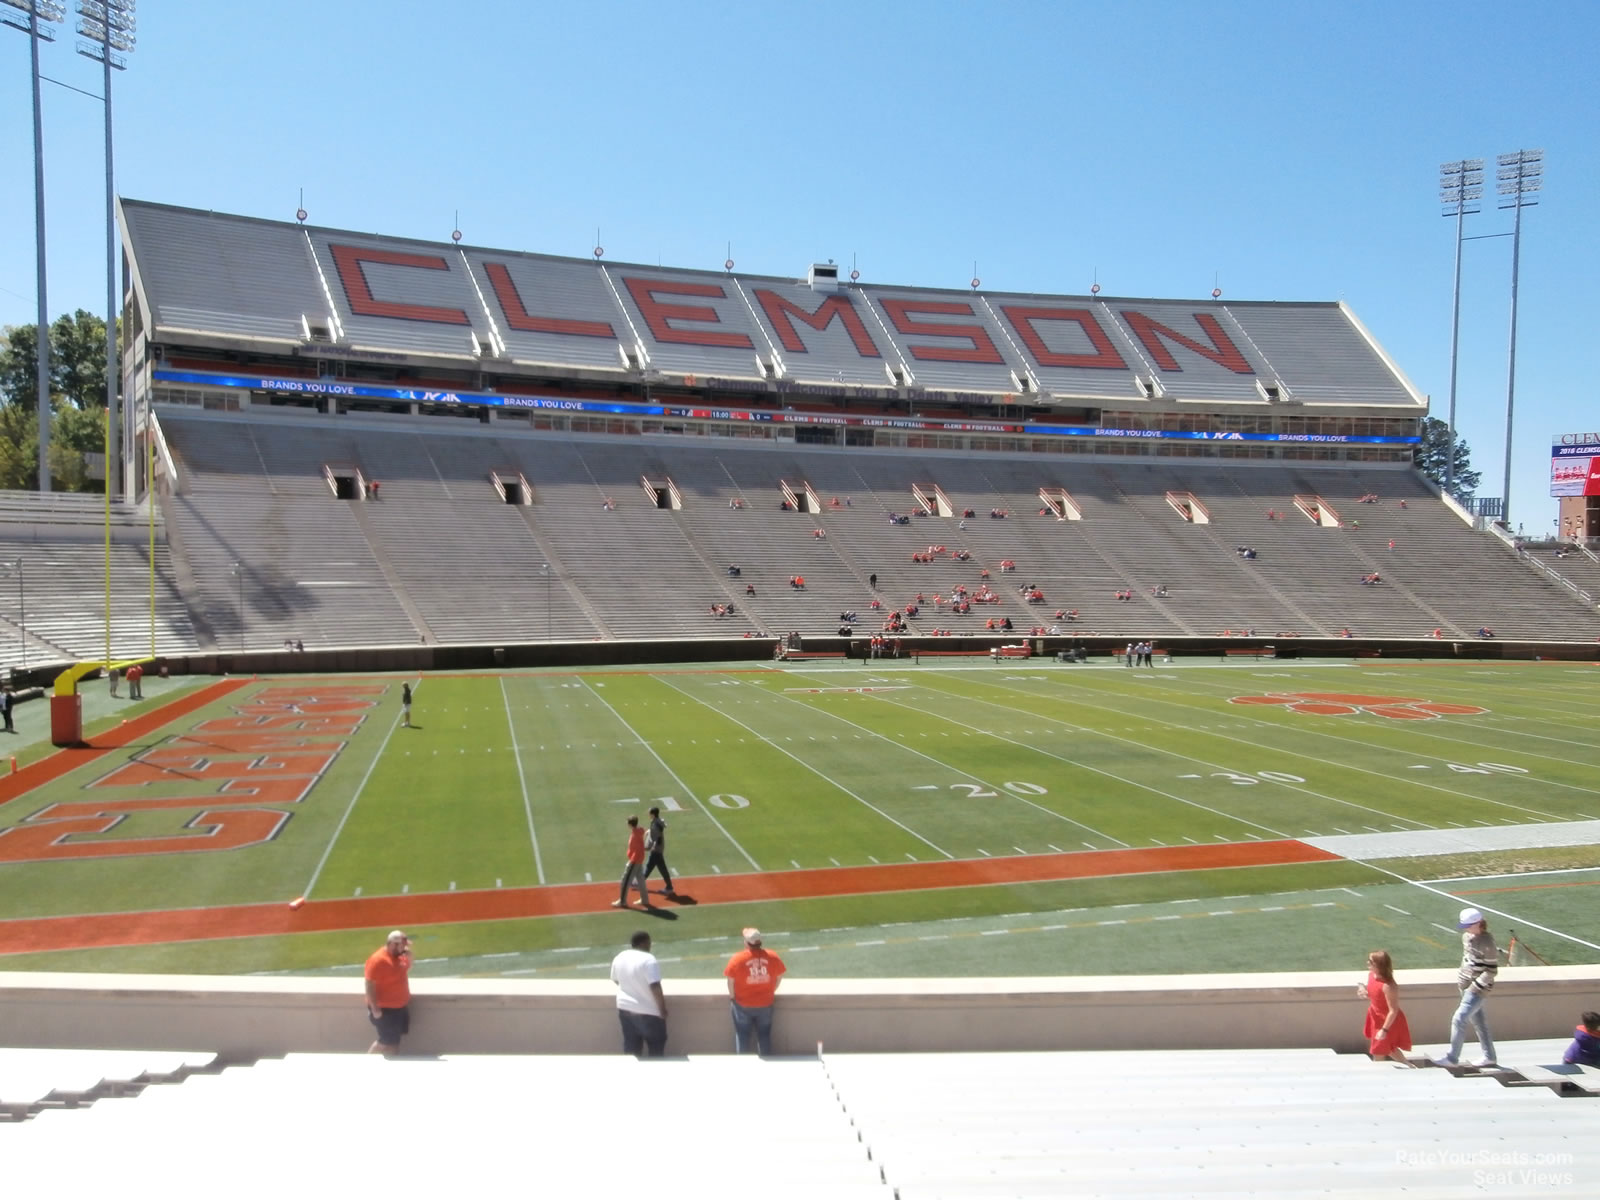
column 641, row 1005
column 633, row 868
column 1388, row 1033
column 299, row 646
column 388, row 988
column 1480, row 962
column 1391, row 543
column 872, row 581
column 819, row 533
column 735, row 571
column 753, row 975
column 1485, row 632
column 608, row 504
column 1585, row 1047
column 749, row 589
column 1402, row 504
column 375, row 486
column 1345, row 632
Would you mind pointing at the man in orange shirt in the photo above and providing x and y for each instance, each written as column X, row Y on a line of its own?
column 389, row 993
column 633, row 869
column 135, row 676
column 753, row 976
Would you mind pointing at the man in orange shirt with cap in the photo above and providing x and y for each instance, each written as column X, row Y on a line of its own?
column 753, row 976
column 389, row 992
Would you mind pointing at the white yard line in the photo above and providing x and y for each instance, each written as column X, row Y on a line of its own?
column 522, row 778
column 354, row 796
column 808, row 766
column 1050, row 812
column 687, row 790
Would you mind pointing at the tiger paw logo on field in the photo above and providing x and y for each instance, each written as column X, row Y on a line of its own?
column 1343, row 704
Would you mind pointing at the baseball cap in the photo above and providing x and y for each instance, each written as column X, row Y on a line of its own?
column 752, row 937
column 1469, row 917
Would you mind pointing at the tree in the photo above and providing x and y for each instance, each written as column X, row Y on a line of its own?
column 1434, row 452
column 77, row 402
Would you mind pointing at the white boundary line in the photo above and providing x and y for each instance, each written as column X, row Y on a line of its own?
column 527, row 804
column 1454, row 899
column 687, row 790
column 354, row 796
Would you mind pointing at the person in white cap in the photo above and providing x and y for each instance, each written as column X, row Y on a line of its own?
column 388, row 979
column 753, row 976
column 1480, row 961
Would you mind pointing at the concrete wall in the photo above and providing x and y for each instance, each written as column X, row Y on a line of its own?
column 249, row 1017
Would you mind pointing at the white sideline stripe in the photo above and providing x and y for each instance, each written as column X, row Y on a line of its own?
column 1414, row 843
column 354, row 796
column 522, row 778
column 687, row 790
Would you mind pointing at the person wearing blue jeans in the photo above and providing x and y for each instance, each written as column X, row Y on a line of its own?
column 1480, row 961
column 753, row 976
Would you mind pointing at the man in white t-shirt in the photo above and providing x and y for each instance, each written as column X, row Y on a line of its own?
column 641, row 1007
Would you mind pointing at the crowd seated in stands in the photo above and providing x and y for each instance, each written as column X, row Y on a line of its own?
column 736, row 503
column 608, row 504
column 1036, row 596
column 998, row 514
column 899, row 519
column 819, row 533
column 848, row 617
column 967, row 512
column 1402, row 504
column 1345, row 632
column 1438, row 633
column 876, row 604
column 1272, row 514
column 797, row 582
column 1124, row 594
column 722, row 610
column 1369, row 498
column 962, row 556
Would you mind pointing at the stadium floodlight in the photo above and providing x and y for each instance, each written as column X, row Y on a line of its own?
column 1460, row 189
column 40, row 14
column 107, row 28
column 1520, row 175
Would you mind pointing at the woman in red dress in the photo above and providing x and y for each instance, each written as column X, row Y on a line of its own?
column 1386, row 1025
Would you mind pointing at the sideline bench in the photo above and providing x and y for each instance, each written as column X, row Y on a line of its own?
column 788, row 655
column 1257, row 652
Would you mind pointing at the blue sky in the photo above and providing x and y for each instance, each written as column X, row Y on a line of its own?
column 1283, row 151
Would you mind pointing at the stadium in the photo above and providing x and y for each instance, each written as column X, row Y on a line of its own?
column 846, row 578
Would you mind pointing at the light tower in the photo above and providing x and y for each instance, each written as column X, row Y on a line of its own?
column 1520, row 175
column 1460, row 188
column 39, row 12
column 107, row 29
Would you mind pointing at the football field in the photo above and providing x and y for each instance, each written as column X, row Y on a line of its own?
column 984, row 818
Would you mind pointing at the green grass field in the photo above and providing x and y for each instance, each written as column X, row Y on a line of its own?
column 524, row 780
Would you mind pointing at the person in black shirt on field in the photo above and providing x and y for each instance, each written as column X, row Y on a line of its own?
column 655, row 843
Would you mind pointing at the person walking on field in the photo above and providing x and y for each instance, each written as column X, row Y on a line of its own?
column 655, row 843
column 641, row 1005
column 405, row 704
column 389, row 993
column 753, row 976
column 633, row 869
column 1387, row 1031
column 1480, row 961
